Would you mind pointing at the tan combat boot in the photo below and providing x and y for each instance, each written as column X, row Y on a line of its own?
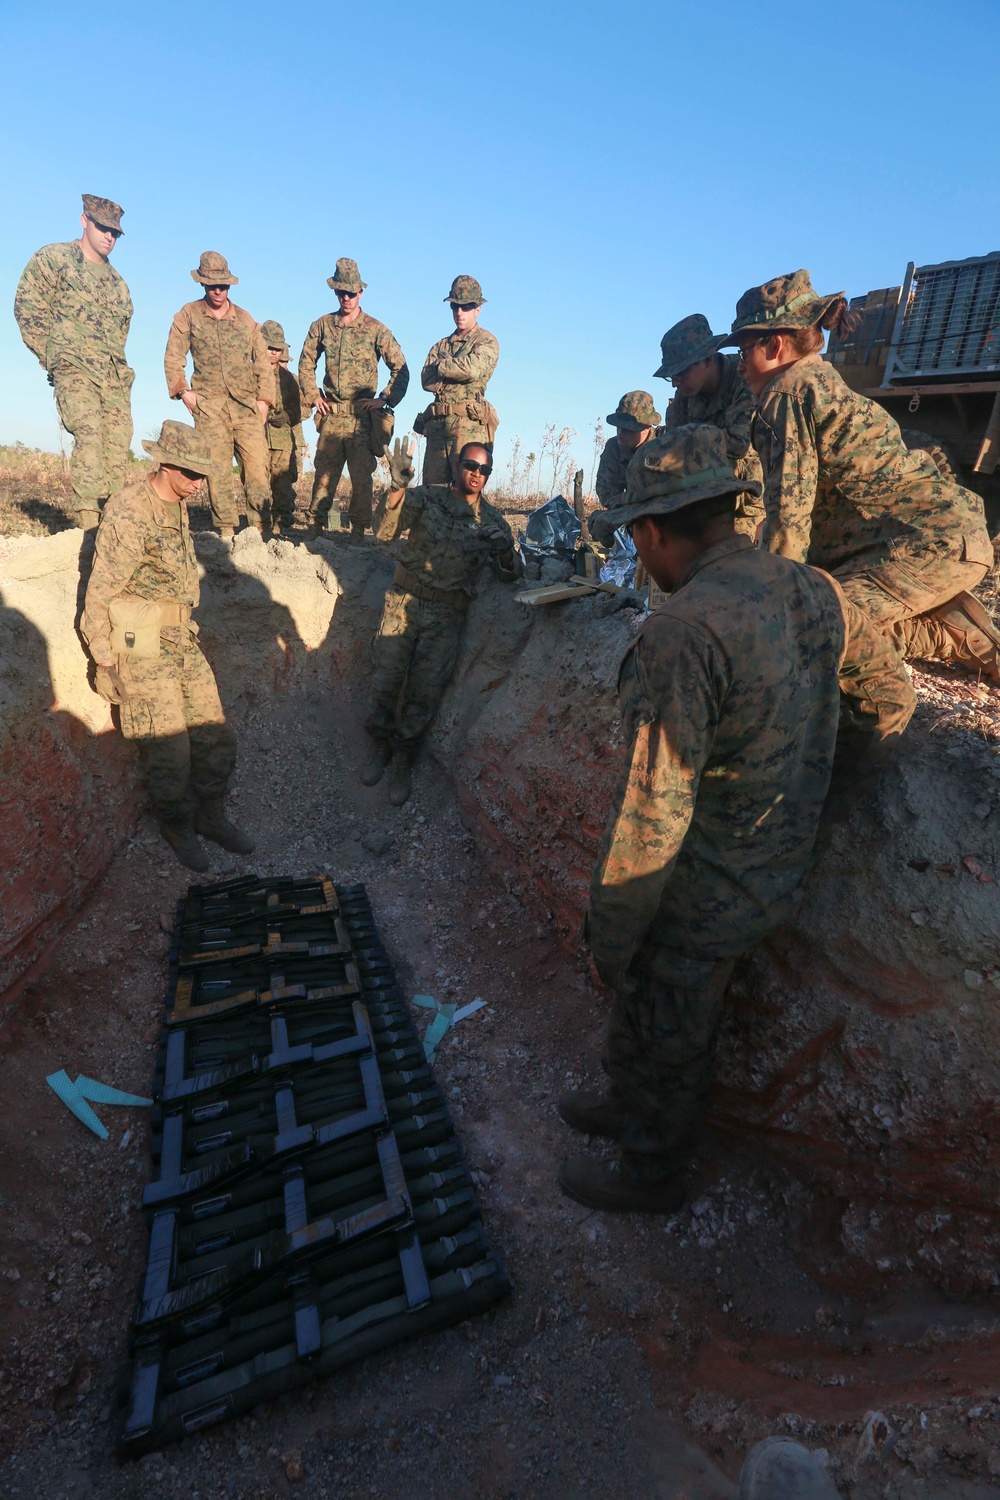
column 400, row 784
column 211, row 822
column 973, row 638
column 379, row 757
column 181, row 838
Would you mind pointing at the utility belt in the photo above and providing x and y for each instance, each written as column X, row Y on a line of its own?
column 474, row 407
column 136, row 624
column 410, row 583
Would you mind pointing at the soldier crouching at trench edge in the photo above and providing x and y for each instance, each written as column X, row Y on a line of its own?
column 730, row 701
column 452, row 531
column 137, row 625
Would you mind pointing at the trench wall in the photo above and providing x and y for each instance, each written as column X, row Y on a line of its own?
column 861, row 1042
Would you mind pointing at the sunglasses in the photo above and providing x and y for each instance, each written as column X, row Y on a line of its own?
column 190, row 474
column 485, row 469
column 342, row 293
column 464, row 306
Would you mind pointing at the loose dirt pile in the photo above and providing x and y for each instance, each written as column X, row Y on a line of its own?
column 760, row 1307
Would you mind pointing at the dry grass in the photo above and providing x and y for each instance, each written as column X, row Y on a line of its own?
column 35, row 493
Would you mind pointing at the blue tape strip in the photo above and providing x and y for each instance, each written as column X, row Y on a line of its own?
column 75, row 1095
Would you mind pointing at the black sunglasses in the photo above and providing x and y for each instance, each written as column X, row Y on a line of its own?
column 464, row 306
column 190, row 474
column 342, row 293
column 485, row 469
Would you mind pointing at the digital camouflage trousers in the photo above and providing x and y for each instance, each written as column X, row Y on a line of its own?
column 659, row 1052
column 415, row 652
column 284, row 466
column 234, row 429
column 174, row 715
column 99, row 418
column 445, row 438
column 343, row 439
column 900, row 596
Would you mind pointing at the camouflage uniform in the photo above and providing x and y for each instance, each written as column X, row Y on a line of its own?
column 351, row 354
column 421, row 626
column 144, row 550
column 636, row 413
column 843, row 493
column 730, row 408
column 730, row 703
column 231, row 374
column 457, row 371
column 285, row 442
column 74, row 316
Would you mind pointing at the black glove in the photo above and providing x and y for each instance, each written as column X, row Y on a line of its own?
column 401, row 469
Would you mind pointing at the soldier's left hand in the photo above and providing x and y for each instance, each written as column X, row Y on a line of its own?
column 109, row 684
column 263, row 408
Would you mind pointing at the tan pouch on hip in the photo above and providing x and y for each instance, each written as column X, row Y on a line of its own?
column 135, row 627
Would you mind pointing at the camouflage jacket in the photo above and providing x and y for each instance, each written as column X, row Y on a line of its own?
column 140, row 551
column 449, row 538
column 731, row 409
column 840, row 485
column 229, row 355
column 74, row 313
column 730, row 705
column 351, row 353
column 285, row 416
column 461, row 364
column 611, row 482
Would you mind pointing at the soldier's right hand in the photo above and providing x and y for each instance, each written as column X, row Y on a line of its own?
column 109, row 684
column 401, row 468
column 190, row 400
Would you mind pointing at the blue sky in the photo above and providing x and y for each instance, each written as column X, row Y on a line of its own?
column 603, row 171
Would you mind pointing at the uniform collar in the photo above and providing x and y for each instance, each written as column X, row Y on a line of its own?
column 727, row 548
column 161, row 515
column 210, row 314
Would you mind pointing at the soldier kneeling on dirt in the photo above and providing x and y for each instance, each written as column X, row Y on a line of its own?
column 452, row 532
column 138, row 627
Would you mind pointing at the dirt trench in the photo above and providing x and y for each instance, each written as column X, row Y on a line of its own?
column 635, row 1357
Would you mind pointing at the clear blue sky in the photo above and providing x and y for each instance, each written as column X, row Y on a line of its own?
column 603, row 170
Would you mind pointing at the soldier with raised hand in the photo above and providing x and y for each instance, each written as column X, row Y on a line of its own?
column 231, row 391
column 74, row 311
column 635, row 419
column 730, row 700
column 453, row 530
column 285, row 440
column 457, row 370
column 843, row 492
column 137, row 625
column 711, row 389
column 354, row 423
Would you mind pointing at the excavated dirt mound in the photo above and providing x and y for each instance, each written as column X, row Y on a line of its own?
column 844, row 1202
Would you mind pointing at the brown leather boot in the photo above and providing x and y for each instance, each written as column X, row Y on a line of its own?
column 211, row 822
column 598, row 1184
column 180, row 836
column 593, row 1114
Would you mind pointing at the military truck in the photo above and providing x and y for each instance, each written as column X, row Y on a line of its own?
column 928, row 350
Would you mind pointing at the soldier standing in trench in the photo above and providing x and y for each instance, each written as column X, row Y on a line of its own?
column 711, row 389
column 730, row 700
column 452, row 531
column 137, row 625
column 231, row 391
column 843, row 492
column 74, row 311
column 285, row 440
column 354, row 424
column 457, row 370
column 635, row 420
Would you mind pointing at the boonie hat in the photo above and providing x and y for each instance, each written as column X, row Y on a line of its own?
column 687, row 464
column 786, row 302
column 634, row 412
column 213, row 270
column 465, row 289
column 688, row 341
column 180, row 445
column 103, row 212
column 347, row 277
column 273, row 335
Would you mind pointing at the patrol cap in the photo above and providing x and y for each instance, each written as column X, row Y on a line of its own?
column 213, row 270
column 465, row 289
column 688, row 341
column 634, row 411
column 786, row 302
column 274, row 335
column 347, row 277
column 687, row 464
column 180, row 445
column 103, row 212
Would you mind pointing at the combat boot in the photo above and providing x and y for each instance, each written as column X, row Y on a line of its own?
column 357, row 531
column 974, row 637
column 211, row 822
column 598, row 1184
column 379, row 757
column 400, row 784
column 593, row 1114
column 181, row 838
